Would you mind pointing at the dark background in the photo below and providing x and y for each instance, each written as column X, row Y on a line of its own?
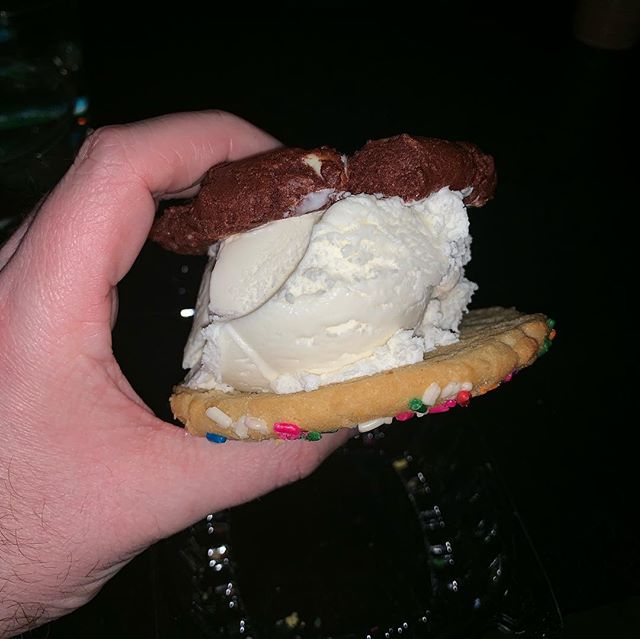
column 558, row 115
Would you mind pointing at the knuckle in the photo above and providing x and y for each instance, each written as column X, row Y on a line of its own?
column 225, row 116
column 220, row 113
column 106, row 144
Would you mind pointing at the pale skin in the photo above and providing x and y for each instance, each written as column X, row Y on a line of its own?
column 89, row 477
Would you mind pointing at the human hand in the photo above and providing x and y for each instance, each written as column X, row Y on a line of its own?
column 89, row 477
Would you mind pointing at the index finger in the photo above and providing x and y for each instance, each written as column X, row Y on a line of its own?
column 94, row 223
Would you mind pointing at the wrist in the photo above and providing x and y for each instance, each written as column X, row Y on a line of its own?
column 33, row 583
column 50, row 562
column 43, row 579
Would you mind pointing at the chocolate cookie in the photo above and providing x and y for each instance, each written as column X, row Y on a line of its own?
column 242, row 195
column 415, row 167
column 238, row 196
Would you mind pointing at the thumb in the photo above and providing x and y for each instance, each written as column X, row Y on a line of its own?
column 179, row 478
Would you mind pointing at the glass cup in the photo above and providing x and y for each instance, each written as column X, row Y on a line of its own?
column 405, row 532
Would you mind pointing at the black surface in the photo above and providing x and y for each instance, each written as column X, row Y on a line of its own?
column 560, row 119
column 366, row 515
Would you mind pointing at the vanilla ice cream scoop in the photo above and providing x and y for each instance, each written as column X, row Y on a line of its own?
column 368, row 284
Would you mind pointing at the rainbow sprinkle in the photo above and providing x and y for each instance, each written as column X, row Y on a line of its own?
column 548, row 340
column 545, row 346
column 287, row 430
column 417, row 405
column 215, row 438
column 406, row 415
column 439, row 408
column 313, row 436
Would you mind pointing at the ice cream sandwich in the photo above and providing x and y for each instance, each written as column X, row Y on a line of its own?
column 335, row 294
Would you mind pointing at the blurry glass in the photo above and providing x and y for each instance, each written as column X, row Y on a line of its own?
column 42, row 108
column 405, row 532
